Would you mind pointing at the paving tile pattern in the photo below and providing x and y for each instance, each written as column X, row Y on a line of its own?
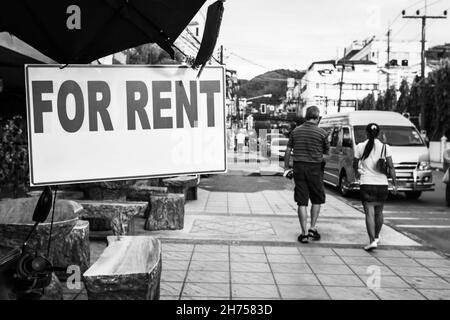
column 270, row 272
column 256, row 272
column 263, row 203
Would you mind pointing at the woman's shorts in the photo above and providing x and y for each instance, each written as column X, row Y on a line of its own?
column 374, row 193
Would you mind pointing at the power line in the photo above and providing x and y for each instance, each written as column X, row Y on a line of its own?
column 401, row 29
column 431, row 4
column 249, row 61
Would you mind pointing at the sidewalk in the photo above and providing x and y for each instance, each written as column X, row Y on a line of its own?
column 236, row 272
column 270, row 217
column 243, row 246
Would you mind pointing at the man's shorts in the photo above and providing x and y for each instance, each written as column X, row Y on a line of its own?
column 308, row 179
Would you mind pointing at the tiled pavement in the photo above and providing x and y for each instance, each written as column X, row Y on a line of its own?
column 198, row 271
column 269, row 216
column 234, row 272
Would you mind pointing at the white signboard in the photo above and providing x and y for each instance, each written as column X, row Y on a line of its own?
column 96, row 123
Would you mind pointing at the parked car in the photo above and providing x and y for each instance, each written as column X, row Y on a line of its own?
column 278, row 147
column 409, row 152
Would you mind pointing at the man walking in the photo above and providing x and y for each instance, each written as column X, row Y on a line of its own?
column 310, row 144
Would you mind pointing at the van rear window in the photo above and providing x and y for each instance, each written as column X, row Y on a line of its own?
column 393, row 136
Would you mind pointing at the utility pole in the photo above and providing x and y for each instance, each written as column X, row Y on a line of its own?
column 388, row 65
column 342, row 81
column 221, row 55
column 424, row 18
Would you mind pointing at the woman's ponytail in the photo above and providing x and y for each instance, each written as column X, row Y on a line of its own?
column 372, row 131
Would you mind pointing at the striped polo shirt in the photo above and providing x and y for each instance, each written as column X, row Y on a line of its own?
column 309, row 143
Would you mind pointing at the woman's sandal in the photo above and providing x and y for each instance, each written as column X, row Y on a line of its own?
column 303, row 238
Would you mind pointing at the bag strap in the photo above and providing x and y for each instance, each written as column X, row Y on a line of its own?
column 383, row 152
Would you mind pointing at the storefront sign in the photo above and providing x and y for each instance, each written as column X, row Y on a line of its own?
column 95, row 123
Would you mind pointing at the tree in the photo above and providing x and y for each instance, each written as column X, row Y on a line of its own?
column 368, row 103
column 380, row 102
column 430, row 96
column 14, row 172
column 151, row 53
column 390, row 100
column 436, row 98
column 273, row 82
column 403, row 100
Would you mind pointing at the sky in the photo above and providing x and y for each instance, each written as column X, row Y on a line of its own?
column 262, row 35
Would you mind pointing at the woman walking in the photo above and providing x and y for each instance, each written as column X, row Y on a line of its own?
column 373, row 182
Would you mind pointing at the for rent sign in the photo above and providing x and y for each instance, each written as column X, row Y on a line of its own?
column 97, row 123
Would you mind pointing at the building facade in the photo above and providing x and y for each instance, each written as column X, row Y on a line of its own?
column 328, row 82
column 404, row 59
column 189, row 40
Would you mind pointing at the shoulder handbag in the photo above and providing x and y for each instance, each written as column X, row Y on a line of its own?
column 382, row 165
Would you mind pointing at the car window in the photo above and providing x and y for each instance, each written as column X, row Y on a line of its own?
column 346, row 133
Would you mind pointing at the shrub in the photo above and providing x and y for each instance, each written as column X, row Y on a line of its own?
column 14, row 155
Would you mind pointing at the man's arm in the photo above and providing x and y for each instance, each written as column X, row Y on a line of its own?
column 287, row 154
column 287, row 157
column 326, row 148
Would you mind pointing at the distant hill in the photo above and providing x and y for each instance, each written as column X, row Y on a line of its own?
column 273, row 82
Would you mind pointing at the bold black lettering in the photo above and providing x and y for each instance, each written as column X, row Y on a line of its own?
column 210, row 87
column 137, row 106
column 41, row 106
column 70, row 87
column 99, row 106
column 161, row 103
column 182, row 101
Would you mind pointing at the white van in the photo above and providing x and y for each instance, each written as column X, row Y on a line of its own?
column 409, row 152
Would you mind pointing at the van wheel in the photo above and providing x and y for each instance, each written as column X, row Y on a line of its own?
column 413, row 195
column 343, row 183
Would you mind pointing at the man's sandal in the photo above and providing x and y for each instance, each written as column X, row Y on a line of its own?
column 313, row 234
column 303, row 238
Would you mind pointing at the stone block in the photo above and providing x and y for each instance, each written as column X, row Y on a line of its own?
column 121, row 214
column 143, row 192
column 128, row 269
column 186, row 185
column 166, row 212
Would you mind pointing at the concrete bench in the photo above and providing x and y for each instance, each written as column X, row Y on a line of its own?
column 165, row 212
column 186, row 185
column 121, row 214
column 128, row 269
